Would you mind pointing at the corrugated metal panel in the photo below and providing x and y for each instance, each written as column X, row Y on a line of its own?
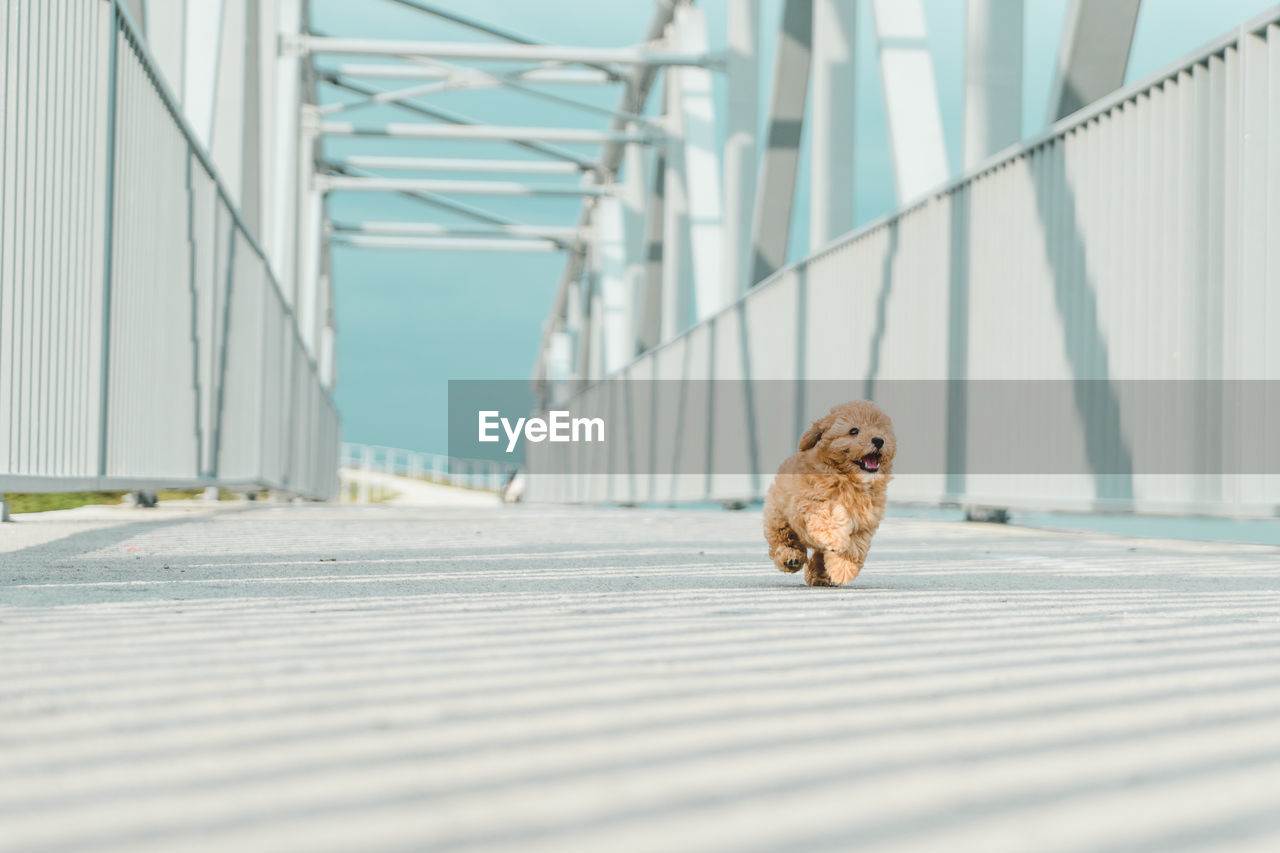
column 206, row 377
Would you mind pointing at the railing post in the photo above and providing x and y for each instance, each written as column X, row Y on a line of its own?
column 108, row 236
column 219, row 406
column 366, row 467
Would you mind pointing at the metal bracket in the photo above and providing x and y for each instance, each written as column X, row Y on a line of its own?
column 290, row 46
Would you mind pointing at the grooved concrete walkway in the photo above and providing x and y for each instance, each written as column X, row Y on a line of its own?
column 326, row 677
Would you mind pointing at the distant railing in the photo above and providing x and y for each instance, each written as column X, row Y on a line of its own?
column 481, row 474
column 144, row 338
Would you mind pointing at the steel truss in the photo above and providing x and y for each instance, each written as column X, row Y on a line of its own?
column 690, row 224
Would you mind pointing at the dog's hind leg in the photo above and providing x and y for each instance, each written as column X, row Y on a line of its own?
column 815, row 574
column 785, row 548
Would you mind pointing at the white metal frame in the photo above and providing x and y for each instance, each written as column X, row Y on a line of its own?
column 831, row 138
column 911, row 98
column 158, row 345
column 498, row 52
column 1094, row 54
column 1072, row 257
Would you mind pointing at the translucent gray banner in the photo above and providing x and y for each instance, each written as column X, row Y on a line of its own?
column 943, row 427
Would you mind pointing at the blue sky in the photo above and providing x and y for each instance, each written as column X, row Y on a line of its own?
column 409, row 321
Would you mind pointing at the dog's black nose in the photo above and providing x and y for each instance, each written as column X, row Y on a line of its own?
column 878, row 442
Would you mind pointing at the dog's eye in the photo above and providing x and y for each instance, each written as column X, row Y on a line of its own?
column 853, row 431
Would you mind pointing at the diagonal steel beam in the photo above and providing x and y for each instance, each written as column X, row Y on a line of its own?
column 1094, row 54
column 462, row 77
column 992, row 78
column 481, row 27
column 463, row 21
column 775, row 189
column 446, row 115
column 742, row 26
column 438, row 201
column 910, row 97
column 389, row 97
column 513, row 81
column 457, row 118
column 831, row 136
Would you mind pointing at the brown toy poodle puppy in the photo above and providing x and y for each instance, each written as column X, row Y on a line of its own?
column 830, row 496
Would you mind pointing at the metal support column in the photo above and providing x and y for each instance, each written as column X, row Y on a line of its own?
column 992, row 78
column 775, row 190
column 740, row 155
column 634, row 198
column 311, row 220
column 1094, row 53
column 831, row 136
column 911, row 98
column 593, row 281
column 617, row 347
column 104, row 412
column 649, row 304
column 559, row 365
column 585, row 309
column 701, row 163
column 676, row 269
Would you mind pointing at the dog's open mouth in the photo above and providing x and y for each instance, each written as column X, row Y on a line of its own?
column 870, row 462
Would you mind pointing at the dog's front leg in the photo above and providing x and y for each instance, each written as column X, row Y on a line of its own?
column 829, row 527
column 841, row 567
column 844, row 566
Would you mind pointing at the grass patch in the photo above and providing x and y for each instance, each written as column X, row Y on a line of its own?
column 47, row 502
column 39, row 502
column 188, row 494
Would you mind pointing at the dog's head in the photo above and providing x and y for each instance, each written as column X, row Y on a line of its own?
column 854, row 438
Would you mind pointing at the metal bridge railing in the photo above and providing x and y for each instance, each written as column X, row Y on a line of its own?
column 482, row 474
column 144, row 338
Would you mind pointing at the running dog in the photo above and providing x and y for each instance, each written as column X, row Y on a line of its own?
column 830, row 496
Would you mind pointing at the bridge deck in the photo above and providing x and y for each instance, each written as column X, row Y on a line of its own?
column 323, row 677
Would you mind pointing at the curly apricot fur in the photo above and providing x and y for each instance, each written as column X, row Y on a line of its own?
column 824, row 500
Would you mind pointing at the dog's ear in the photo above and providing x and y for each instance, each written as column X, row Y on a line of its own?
column 814, row 434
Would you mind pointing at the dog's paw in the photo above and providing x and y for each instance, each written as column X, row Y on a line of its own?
column 789, row 559
column 840, row 569
column 813, row 578
column 815, row 574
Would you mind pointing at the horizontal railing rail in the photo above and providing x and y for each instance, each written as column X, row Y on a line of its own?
column 145, row 340
column 1134, row 240
column 483, row 474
